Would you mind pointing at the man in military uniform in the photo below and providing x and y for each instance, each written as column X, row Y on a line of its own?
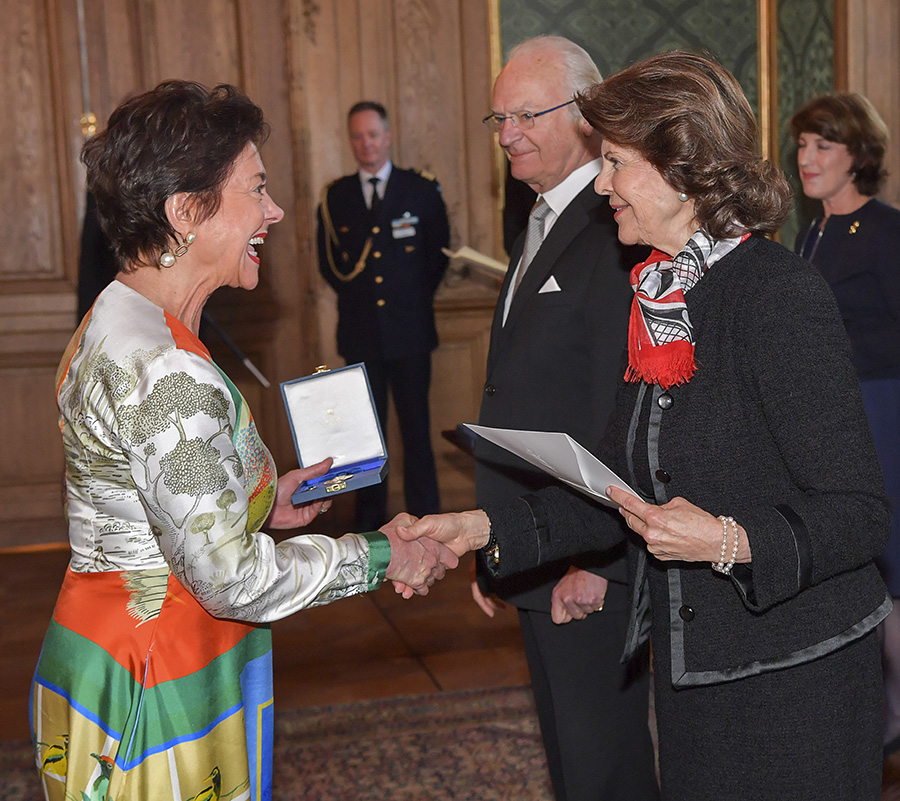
column 381, row 232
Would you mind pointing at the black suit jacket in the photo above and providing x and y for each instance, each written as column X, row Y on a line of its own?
column 387, row 310
column 554, row 366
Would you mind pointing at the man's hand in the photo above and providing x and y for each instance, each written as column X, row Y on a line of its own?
column 415, row 565
column 576, row 595
column 461, row 532
column 285, row 514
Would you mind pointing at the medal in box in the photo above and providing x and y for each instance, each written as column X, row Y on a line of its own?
column 332, row 413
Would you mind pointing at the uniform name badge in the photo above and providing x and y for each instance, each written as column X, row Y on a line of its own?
column 404, row 226
column 332, row 413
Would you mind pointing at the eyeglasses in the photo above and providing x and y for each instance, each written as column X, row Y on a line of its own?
column 521, row 119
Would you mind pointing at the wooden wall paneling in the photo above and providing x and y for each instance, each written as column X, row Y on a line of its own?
column 378, row 67
column 41, row 133
column 323, row 60
column 33, row 231
column 65, row 72
column 867, row 60
column 115, row 47
column 882, row 81
column 482, row 206
column 342, row 68
column 458, row 378
column 35, row 328
column 195, row 40
column 31, row 472
column 272, row 316
column 429, row 99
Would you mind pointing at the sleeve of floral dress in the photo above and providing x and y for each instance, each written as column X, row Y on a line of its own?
column 207, row 481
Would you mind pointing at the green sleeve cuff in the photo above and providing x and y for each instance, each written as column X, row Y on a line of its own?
column 379, row 557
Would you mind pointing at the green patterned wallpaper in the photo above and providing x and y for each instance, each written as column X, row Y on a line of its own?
column 805, row 69
column 619, row 32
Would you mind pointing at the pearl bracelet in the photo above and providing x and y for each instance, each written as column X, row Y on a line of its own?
column 722, row 566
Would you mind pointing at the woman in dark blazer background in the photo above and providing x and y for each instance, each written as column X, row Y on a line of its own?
column 741, row 427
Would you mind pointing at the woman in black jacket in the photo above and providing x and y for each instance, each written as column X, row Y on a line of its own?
column 740, row 425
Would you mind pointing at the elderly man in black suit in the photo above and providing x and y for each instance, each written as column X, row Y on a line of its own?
column 556, row 349
column 381, row 232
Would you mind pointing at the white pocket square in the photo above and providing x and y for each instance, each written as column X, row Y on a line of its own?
column 550, row 285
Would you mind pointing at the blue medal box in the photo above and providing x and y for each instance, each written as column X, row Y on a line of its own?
column 332, row 413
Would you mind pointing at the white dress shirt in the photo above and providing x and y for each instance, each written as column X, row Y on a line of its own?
column 558, row 199
column 382, row 175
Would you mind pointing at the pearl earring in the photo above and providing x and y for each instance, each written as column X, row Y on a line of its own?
column 167, row 259
column 682, row 196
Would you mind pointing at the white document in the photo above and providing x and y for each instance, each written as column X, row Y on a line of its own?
column 473, row 258
column 559, row 455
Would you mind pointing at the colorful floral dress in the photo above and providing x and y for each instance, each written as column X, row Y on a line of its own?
column 155, row 678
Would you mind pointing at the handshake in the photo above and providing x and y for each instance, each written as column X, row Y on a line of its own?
column 422, row 550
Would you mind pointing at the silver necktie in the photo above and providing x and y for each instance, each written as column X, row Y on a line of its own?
column 534, row 237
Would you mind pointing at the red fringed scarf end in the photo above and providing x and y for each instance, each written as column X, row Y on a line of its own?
column 666, row 365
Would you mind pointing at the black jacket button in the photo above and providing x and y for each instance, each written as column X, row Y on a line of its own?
column 489, row 389
column 686, row 613
column 665, row 401
column 663, row 476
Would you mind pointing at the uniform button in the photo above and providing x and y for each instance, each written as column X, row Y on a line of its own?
column 376, row 230
column 376, row 254
column 686, row 613
column 663, row 476
column 489, row 389
column 381, row 301
column 378, row 279
column 665, row 401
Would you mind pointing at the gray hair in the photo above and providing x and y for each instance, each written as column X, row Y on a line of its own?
column 581, row 71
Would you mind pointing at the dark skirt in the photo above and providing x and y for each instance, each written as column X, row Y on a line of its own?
column 882, row 400
column 806, row 733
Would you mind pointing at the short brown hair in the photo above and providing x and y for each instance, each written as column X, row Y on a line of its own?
column 368, row 105
column 178, row 137
column 848, row 119
column 687, row 115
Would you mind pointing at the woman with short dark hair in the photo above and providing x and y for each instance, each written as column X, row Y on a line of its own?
column 759, row 507
column 155, row 678
column 855, row 244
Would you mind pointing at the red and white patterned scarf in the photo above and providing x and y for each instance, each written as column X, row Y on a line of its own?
column 660, row 336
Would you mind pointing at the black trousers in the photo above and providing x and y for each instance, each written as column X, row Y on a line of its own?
column 593, row 711
column 409, row 380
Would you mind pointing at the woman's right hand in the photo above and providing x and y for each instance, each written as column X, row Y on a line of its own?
column 461, row 531
column 416, row 565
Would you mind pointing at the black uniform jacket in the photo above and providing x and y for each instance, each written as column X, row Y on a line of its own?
column 554, row 366
column 386, row 311
column 770, row 430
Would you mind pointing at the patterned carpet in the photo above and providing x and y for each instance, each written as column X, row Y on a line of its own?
column 478, row 744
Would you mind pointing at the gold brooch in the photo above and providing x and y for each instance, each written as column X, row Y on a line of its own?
column 854, row 227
